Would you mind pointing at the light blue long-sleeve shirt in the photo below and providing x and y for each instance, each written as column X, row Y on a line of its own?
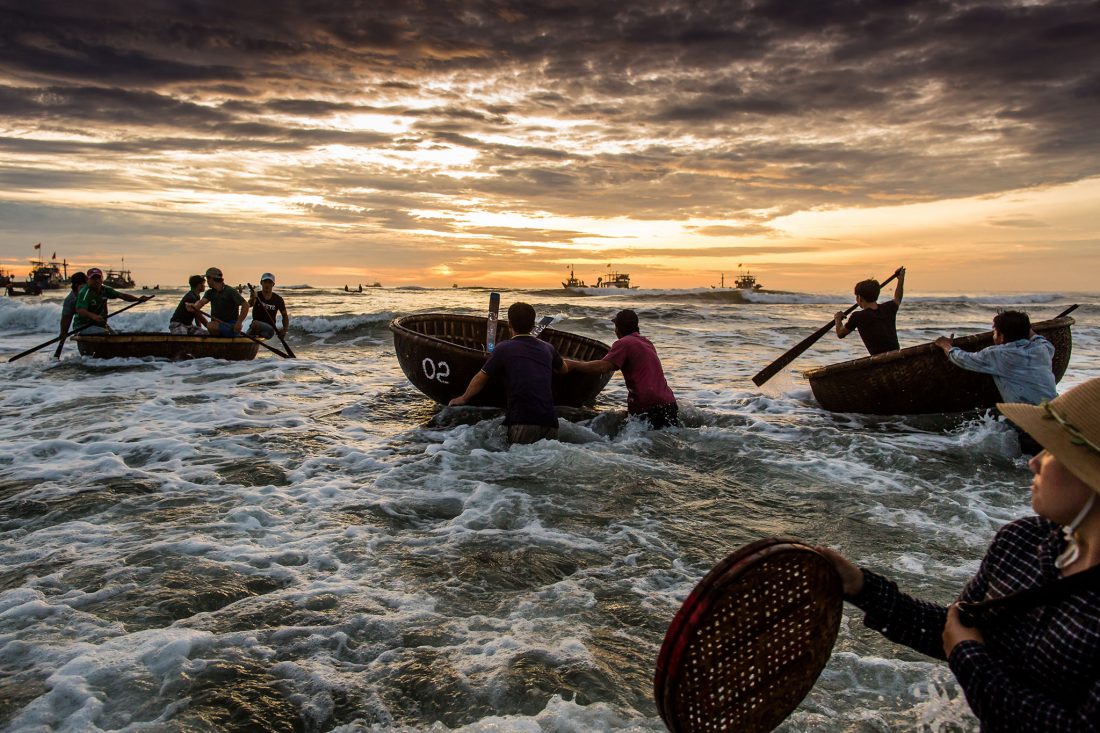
column 1022, row 370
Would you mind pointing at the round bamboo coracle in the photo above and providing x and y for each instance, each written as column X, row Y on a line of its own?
column 750, row 641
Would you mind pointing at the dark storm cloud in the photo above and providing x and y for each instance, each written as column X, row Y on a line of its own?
column 667, row 108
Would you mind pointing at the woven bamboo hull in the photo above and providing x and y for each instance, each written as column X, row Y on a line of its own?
column 166, row 346
column 920, row 379
column 440, row 353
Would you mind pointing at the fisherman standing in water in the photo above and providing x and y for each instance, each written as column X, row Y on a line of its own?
column 1020, row 361
column 527, row 366
column 876, row 322
column 647, row 392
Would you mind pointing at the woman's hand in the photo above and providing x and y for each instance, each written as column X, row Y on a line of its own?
column 954, row 631
column 851, row 576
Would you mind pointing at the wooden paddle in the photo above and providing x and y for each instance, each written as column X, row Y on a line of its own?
column 270, row 320
column 491, row 322
column 772, row 369
column 1066, row 312
column 250, row 338
column 63, row 336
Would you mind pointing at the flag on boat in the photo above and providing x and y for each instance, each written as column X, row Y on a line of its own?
column 38, row 246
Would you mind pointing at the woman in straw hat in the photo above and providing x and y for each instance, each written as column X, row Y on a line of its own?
column 1029, row 661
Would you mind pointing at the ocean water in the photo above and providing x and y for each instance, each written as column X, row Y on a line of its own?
column 313, row 545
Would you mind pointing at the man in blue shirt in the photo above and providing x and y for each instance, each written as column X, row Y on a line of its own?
column 527, row 366
column 1020, row 361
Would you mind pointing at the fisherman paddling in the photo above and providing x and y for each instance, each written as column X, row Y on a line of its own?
column 91, row 303
column 227, row 306
column 876, row 322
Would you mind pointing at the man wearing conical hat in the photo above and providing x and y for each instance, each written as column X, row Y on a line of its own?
column 1027, row 661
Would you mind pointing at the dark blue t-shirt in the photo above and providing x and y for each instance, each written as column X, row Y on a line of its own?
column 527, row 366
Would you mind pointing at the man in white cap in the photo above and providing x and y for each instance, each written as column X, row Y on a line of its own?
column 1023, row 639
column 265, row 304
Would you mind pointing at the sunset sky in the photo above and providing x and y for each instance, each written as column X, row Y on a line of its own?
column 496, row 143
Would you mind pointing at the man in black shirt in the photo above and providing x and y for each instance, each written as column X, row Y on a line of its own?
column 265, row 305
column 527, row 366
column 187, row 321
column 227, row 307
column 876, row 322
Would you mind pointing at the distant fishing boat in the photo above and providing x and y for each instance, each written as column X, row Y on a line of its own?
column 49, row 275
column 440, row 353
column 137, row 345
column 614, row 279
column 119, row 279
column 920, row 380
column 573, row 282
column 747, row 281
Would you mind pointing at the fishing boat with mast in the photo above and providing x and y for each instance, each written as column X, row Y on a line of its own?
column 615, row 279
column 573, row 282
column 747, row 281
column 44, row 275
column 120, row 278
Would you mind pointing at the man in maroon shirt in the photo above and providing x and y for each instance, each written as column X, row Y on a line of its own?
column 647, row 391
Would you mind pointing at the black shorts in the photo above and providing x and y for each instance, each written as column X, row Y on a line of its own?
column 662, row 416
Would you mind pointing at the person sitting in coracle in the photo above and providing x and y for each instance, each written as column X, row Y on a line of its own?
column 227, row 307
column 1027, row 662
column 68, row 306
column 91, row 303
column 265, row 304
column 187, row 320
column 876, row 322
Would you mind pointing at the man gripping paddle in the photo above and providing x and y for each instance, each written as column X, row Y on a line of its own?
column 91, row 303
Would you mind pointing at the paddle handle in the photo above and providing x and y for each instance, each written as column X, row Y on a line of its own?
column 1067, row 311
column 270, row 320
column 772, row 369
column 64, row 336
column 272, row 349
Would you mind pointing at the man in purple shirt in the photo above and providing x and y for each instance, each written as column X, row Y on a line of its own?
column 527, row 366
column 647, row 392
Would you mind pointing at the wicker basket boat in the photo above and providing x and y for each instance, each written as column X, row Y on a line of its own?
column 920, row 379
column 440, row 353
column 166, row 346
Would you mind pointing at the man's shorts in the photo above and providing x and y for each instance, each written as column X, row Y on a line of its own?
column 525, row 434
column 663, row 416
column 184, row 329
column 261, row 329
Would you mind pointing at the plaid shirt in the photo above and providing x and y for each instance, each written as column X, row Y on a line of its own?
column 1038, row 670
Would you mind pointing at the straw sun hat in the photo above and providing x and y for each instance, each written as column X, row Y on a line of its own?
column 1067, row 426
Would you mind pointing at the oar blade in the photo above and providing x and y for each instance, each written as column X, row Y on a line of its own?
column 774, row 368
